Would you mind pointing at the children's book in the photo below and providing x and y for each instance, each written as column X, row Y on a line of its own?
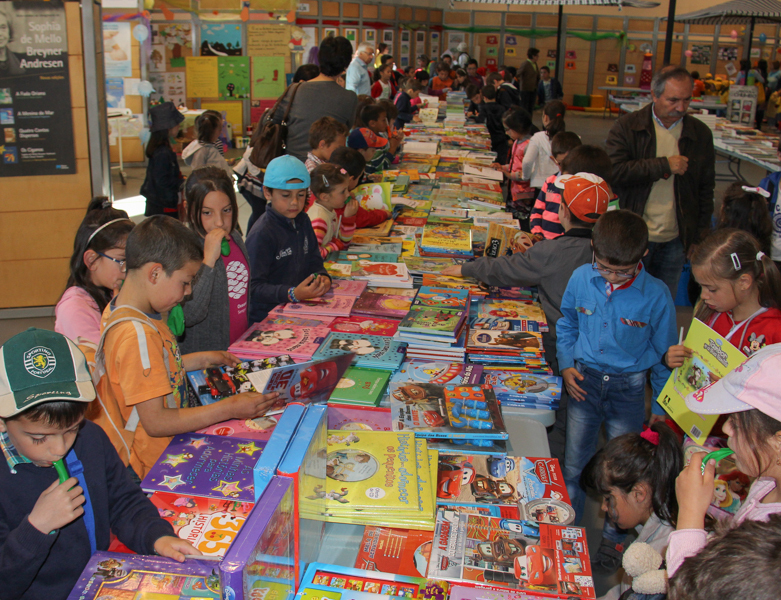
column 499, row 240
column 297, row 342
column 128, row 576
column 343, row 287
column 510, row 309
column 392, row 248
column 259, row 428
column 450, row 411
column 209, row 524
column 371, row 351
column 509, row 384
column 378, row 231
column 342, row 417
column 405, row 293
column 390, row 550
column 419, row 265
column 712, row 358
column 361, row 386
column 548, row 560
column 216, row 383
column 504, row 341
column 434, row 297
column 443, row 322
column 730, row 486
column 212, row 466
column 336, row 269
column 382, row 305
column 447, row 238
column 383, row 273
column 266, row 467
column 277, row 317
column 365, row 325
column 353, row 255
column 339, row 306
column 484, row 173
column 373, row 196
column 259, row 563
column 437, row 372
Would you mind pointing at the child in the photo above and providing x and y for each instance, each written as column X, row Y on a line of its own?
column 97, row 270
column 325, row 135
column 391, row 112
column 517, row 123
column 207, row 149
column 442, row 83
column 285, row 260
column 507, row 94
column 163, row 177
column 749, row 395
column 376, row 120
column 491, row 114
column 424, row 78
column 410, row 89
column 744, row 207
column 617, row 321
column 537, row 162
column 215, row 315
column 45, row 545
column 635, row 474
column 699, row 84
column 475, row 100
column 462, row 80
column 383, row 88
column 353, row 162
column 329, row 185
column 362, row 102
column 366, row 142
column 144, row 386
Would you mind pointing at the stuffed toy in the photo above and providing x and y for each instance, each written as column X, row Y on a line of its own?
column 649, row 577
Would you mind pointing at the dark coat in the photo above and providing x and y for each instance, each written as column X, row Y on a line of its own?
column 555, row 89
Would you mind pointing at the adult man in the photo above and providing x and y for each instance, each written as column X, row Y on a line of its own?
column 358, row 79
column 549, row 87
column 664, row 169
column 529, row 78
column 471, row 73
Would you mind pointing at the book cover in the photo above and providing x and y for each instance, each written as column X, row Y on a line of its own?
column 509, row 309
column 364, row 269
column 343, row 287
column 293, row 340
column 357, row 254
column 499, row 240
column 374, row 196
column 712, row 358
column 206, row 465
column 390, row 550
column 370, row 351
column 509, row 384
column 259, row 563
column 393, row 248
column 334, row 306
column 259, row 428
column 128, row 576
column 436, row 297
column 266, row 466
column 382, row 305
column 453, row 237
column 343, row 417
column 420, row 265
column 365, row 325
column 378, row 231
column 433, row 320
column 277, row 317
column 209, row 524
column 337, row 270
column 534, row 557
column 217, row 383
column 504, row 341
column 437, row 372
column 730, row 486
column 361, row 386
column 449, row 411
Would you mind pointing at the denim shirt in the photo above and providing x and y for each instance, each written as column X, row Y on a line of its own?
column 626, row 332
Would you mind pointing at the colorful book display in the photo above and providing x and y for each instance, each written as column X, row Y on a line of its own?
column 217, row 383
column 361, row 386
column 370, row 351
column 359, row 418
column 437, row 372
column 382, row 305
column 365, row 325
column 296, row 341
column 402, row 551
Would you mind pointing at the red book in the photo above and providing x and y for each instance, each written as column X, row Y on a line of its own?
column 389, row 550
column 365, row 324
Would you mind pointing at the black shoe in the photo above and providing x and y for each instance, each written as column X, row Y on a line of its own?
column 607, row 559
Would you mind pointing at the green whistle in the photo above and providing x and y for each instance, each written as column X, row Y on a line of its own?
column 716, row 455
column 176, row 320
column 62, row 470
column 225, row 248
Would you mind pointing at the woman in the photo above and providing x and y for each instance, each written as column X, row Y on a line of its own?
column 9, row 62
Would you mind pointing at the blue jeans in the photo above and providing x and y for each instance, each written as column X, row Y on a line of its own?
column 618, row 401
column 665, row 261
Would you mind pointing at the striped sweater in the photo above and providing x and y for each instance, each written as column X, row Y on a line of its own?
column 333, row 232
column 544, row 219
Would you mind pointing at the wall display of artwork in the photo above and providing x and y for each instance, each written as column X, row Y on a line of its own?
column 220, row 39
column 387, row 36
column 701, row 54
column 369, row 36
column 351, row 34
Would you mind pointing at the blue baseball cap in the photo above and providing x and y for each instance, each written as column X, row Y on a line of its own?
column 282, row 170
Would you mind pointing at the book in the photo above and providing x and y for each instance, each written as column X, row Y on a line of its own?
column 484, row 173
column 206, row 465
column 338, row 270
column 373, row 196
column 712, row 358
column 209, row 524
column 547, row 560
column 382, row 305
column 450, row 238
column 504, row 341
column 440, row 322
column 499, row 240
column 361, row 386
column 295, row 341
column 390, row 550
column 126, row 576
column 357, row 254
column 277, row 317
column 393, row 248
column 434, row 297
column 365, row 325
column 509, row 384
column 371, row 351
column 342, row 287
column 259, row 428
column 267, row 464
column 216, row 383
column 437, row 372
column 388, row 274
column 342, row 417
column 339, row 306
column 510, row 309
column 730, row 486
column 450, row 411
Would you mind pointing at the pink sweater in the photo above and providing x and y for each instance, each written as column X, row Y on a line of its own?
column 688, row 542
column 77, row 315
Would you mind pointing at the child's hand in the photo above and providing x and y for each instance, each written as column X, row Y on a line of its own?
column 350, row 210
column 453, row 271
column 173, row 547
column 394, row 144
column 250, row 405
column 515, row 175
column 416, row 119
column 694, row 491
column 571, row 376
column 212, row 246
column 398, row 134
column 675, row 355
column 57, row 506
column 213, row 358
column 312, row 287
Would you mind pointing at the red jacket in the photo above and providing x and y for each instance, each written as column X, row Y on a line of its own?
column 367, row 218
column 377, row 90
column 761, row 331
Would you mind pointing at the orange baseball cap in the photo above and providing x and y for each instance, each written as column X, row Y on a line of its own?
column 585, row 194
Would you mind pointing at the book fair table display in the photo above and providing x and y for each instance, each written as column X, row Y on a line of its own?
column 391, row 465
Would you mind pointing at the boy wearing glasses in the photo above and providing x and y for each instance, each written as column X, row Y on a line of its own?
column 617, row 322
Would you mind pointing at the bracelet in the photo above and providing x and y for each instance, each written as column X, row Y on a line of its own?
column 291, row 294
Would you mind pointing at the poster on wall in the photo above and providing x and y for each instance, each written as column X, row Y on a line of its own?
column 420, row 38
column 454, row 38
column 233, row 77
column 175, row 90
column 115, row 92
column 35, row 106
column 116, row 49
column 434, row 47
column 177, row 40
column 268, row 76
column 220, row 39
column 728, row 53
column 310, row 44
column 268, row 40
column 742, row 104
column 387, row 36
column 370, row 36
column 700, row 54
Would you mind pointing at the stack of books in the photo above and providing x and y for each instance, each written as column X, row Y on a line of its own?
column 370, row 351
column 262, row 340
column 360, row 386
column 435, row 323
column 376, row 304
column 447, row 240
column 518, row 387
column 331, row 305
column 393, row 275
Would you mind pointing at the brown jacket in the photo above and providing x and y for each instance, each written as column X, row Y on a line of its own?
column 631, row 145
column 529, row 76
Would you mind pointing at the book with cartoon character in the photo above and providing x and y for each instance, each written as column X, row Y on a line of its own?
column 259, row 428
column 434, row 297
column 262, row 340
column 511, row 309
column 441, row 323
column 527, row 343
column 447, row 238
column 382, row 305
column 511, row 385
column 342, row 417
column 209, row 524
column 205, row 465
column 338, row 306
column 365, row 325
column 390, row 550
column 370, row 351
column 374, row 196
column 437, row 372
column 120, row 575
column 360, row 386
column 216, row 383
column 468, row 412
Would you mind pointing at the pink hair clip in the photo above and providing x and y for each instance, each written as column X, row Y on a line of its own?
column 343, row 172
column 650, row 436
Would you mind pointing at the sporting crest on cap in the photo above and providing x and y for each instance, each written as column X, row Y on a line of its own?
column 40, row 361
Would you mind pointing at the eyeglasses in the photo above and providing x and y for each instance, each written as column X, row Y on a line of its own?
column 122, row 263
column 603, row 271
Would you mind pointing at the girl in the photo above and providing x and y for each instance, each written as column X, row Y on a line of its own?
column 635, row 475
column 461, row 81
column 330, row 188
column 749, row 396
column 207, row 149
column 741, row 288
column 163, row 177
column 97, row 270
column 744, row 207
column 537, row 162
column 215, row 315
column 518, row 124
column 383, row 88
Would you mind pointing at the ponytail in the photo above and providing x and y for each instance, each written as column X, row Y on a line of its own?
column 654, row 457
column 554, row 110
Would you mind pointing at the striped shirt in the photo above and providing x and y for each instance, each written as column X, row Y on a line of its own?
column 544, row 219
column 333, row 233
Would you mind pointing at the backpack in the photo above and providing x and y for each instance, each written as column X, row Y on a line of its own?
column 105, row 412
column 269, row 138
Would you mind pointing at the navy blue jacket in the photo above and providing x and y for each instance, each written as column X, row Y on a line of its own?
column 555, row 90
column 37, row 565
column 282, row 254
column 406, row 110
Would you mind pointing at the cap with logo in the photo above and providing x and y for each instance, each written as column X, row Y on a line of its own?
column 39, row 366
column 754, row 384
column 585, row 194
column 362, row 138
column 286, row 172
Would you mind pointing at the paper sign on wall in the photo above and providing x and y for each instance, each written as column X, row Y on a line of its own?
column 175, row 89
column 202, row 76
column 233, row 77
column 117, row 49
column 268, row 40
column 268, row 76
column 115, row 92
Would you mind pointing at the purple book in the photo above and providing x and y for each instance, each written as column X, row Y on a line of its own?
column 128, row 576
column 259, row 563
column 213, row 466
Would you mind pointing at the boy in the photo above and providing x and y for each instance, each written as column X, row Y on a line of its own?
column 617, row 322
column 375, row 118
column 491, row 114
column 410, row 89
column 471, row 73
column 507, row 94
column 353, row 162
column 443, row 82
column 325, row 135
column 144, row 385
column 365, row 141
column 285, row 260
column 548, row 88
column 475, row 100
column 51, row 528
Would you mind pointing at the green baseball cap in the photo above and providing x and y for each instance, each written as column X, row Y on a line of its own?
column 38, row 366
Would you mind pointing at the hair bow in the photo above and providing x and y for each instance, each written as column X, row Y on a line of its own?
column 650, row 436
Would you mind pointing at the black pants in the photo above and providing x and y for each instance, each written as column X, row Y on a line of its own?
column 527, row 101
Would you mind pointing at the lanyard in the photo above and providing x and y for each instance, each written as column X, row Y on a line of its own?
column 76, row 469
column 744, row 323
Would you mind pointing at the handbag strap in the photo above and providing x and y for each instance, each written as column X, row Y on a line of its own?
column 292, row 98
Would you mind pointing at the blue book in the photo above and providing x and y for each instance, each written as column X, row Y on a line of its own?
column 267, row 464
column 371, row 351
column 524, row 388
